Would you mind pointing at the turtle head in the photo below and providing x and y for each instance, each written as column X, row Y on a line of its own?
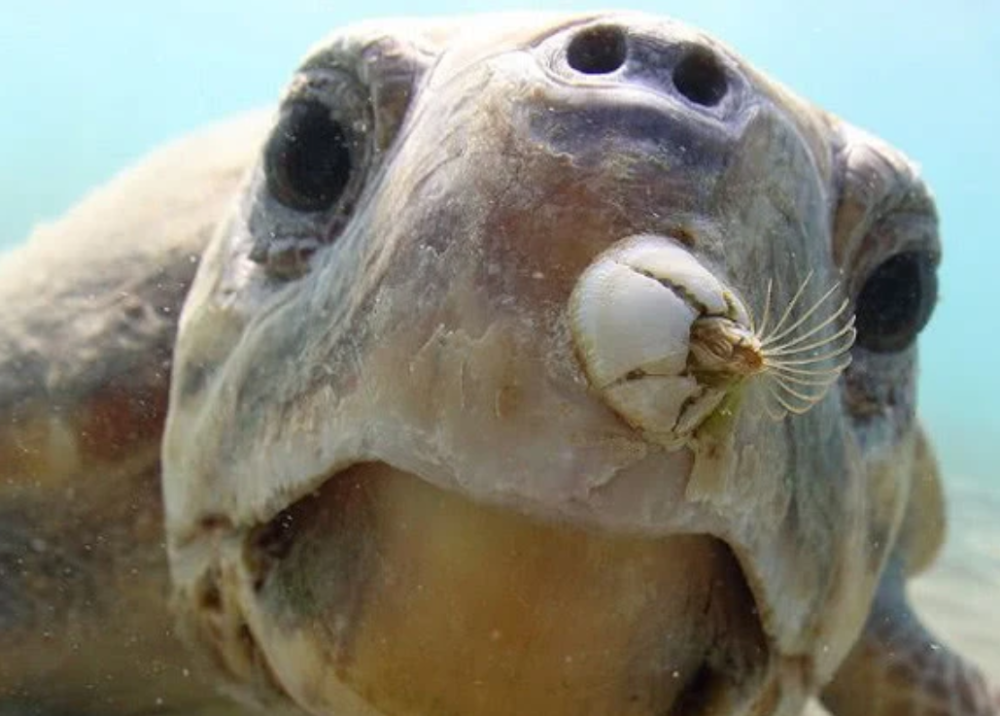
column 517, row 380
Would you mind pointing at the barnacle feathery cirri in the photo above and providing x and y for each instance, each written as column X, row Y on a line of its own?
column 665, row 341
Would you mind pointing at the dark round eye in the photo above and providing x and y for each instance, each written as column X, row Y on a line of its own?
column 308, row 158
column 896, row 302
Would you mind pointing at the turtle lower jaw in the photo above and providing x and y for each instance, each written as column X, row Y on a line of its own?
column 382, row 594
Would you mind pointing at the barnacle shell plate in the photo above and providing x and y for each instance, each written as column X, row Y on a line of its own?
column 631, row 314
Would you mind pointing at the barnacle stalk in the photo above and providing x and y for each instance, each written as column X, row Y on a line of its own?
column 798, row 364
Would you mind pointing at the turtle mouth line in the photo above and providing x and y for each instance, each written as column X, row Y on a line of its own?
column 426, row 598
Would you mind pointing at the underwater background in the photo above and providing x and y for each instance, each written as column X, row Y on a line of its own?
column 88, row 87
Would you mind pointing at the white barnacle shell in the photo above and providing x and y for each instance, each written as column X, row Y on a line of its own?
column 631, row 315
column 671, row 264
column 664, row 340
column 627, row 322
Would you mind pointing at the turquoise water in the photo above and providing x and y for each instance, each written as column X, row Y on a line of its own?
column 87, row 87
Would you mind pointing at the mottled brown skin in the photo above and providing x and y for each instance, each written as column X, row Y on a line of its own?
column 472, row 163
column 90, row 306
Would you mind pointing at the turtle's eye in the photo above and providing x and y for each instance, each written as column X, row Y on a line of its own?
column 896, row 302
column 308, row 160
column 312, row 172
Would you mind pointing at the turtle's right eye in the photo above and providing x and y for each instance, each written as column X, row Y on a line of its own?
column 308, row 159
column 896, row 302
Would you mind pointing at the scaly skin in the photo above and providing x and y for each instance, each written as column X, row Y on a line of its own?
column 898, row 668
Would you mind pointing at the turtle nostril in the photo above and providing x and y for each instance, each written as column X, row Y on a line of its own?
column 597, row 50
column 700, row 78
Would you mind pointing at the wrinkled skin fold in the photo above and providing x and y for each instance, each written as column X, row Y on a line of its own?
column 391, row 485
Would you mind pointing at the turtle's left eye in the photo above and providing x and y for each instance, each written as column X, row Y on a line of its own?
column 308, row 160
column 896, row 302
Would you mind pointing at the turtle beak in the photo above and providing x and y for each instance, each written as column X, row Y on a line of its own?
column 424, row 602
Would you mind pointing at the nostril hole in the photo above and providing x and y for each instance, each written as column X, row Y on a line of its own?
column 597, row 50
column 700, row 78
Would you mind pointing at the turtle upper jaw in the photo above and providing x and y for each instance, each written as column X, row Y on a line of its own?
column 387, row 586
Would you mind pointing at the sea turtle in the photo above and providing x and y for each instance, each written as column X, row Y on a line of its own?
column 514, row 381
